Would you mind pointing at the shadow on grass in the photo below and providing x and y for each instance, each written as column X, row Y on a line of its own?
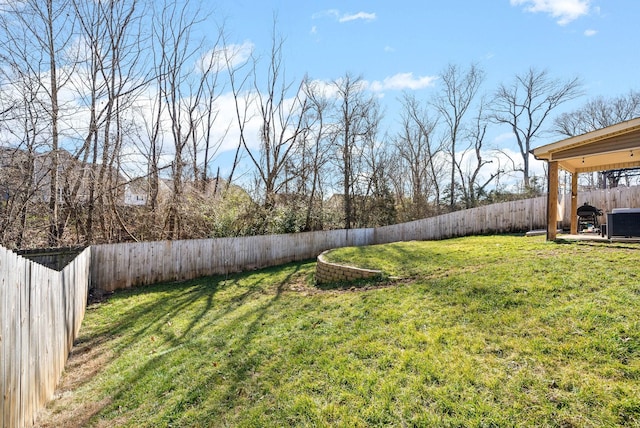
column 246, row 326
column 200, row 299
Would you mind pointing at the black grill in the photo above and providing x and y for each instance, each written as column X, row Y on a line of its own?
column 588, row 218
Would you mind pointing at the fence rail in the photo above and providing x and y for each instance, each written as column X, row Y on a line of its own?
column 40, row 315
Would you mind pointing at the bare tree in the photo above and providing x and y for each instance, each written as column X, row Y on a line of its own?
column 457, row 94
column 236, row 67
column 76, row 70
column 525, row 105
column 26, row 123
column 312, row 152
column 212, row 64
column 377, row 204
column 110, row 77
column 470, row 169
column 416, row 148
column 41, row 32
column 357, row 116
column 182, row 88
column 281, row 112
column 599, row 113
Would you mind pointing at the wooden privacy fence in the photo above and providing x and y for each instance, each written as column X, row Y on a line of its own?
column 606, row 200
column 53, row 258
column 514, row 216
column 40, row 315
column 116, row 266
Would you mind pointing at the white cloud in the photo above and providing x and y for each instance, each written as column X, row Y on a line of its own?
column 509, row 162
column 397, row 82
column 402, row 81
column 389, row 49
column 329, row 13
column 216, row 59
column 366, row 16
column 345, row 17
column 504, row 137
column 324, row 88
column 564, row 11
column 590, row 33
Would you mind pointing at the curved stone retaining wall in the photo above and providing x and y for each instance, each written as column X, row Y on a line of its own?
column 327, row 272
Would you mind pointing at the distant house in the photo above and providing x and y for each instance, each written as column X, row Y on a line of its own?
column 69, row 171
column 14, row 172
column 74, row 177
column 19, row 170
column 132, row 197
column 336, row 202
column 136, row 191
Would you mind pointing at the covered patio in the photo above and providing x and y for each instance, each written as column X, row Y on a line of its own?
column 615, row 147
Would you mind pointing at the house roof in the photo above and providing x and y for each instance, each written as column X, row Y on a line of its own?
column 614, row 147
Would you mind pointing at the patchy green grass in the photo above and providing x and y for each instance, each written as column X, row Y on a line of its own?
column 481, row 331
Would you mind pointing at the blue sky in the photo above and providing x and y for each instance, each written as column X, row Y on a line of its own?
column 403, row 45
column 596, row 40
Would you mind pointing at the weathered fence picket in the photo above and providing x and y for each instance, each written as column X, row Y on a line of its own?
column 40, row 315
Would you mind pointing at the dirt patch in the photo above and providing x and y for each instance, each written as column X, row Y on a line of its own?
column 303, row 286
column 98, row 296
column 66, row 416
column 69, row 408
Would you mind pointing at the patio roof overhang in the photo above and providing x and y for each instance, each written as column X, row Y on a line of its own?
column 612, row 148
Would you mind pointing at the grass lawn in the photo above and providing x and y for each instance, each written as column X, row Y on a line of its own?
column 473, row 332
